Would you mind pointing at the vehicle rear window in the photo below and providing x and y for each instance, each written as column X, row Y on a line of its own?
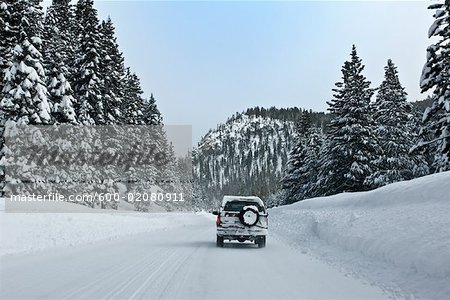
column 238, row 205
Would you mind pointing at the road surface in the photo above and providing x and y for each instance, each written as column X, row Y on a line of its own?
column 180, row 263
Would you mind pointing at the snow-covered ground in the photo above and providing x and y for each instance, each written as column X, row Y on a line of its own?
column 29, row 232
column 397, row 237
column 178, row 263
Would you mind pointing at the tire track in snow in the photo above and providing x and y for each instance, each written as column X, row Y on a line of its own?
column 159, row 281
column 101, row 280
column 136, row 276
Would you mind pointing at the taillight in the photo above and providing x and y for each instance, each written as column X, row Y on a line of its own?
column 218, row 220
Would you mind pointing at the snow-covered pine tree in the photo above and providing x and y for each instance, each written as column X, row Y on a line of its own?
column 25, row 96
column 87, row 81
column 132, row 104
column 4, row 28
column 151, row 114
column 73, row 32
column 112, row 72
column 421, row 160
column 392, row 115
column 313, row 151
column 58, row 53
column 60, row 18
column 415, row 125
column 436, row 78
column 350, row 144
column 293, row 180
column 8, row 33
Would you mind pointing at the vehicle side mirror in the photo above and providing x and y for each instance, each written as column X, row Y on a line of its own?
column 215, row 212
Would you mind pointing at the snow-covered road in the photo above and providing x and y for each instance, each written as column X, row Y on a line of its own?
column 181, row 262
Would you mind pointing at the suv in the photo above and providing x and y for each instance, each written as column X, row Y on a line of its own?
column 242, row 218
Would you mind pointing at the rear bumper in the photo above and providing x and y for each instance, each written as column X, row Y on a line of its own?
column 234, row 233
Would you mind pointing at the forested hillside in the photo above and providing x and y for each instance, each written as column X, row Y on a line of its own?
column 244, row 155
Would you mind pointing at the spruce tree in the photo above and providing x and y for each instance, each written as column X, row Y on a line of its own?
column 87, row 80
column 436, row 77
column 25, row 96
column 151, row 114
column 392, row 116
column 294, row 178
column 311, row 165
column 4, row 63
column 133, row 103
column 350, row 144
column 58, row 53
column 112, row 73
column 9, row 35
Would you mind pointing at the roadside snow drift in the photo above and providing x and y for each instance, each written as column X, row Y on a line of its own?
column 29, row 232
column 397, row 236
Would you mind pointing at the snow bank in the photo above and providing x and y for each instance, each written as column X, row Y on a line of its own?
column 28, row 232
column 397, row 235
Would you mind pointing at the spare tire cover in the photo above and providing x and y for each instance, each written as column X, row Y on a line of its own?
column 249, row 216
